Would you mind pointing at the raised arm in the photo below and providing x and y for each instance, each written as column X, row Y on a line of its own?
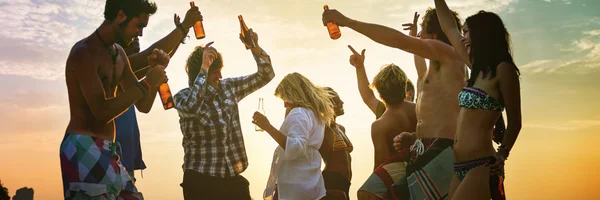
column 140, row 73
column 245, row 85
column 366, row 93
column 420, row 63
column 190, row 100
column 430, row 49
column 106, row 109
column 168, row 43
column 451, row 30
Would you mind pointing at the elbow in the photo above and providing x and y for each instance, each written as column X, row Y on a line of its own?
column 144, row 110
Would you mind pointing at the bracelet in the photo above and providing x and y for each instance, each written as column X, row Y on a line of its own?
column 180, row 27
column 140, row 87
column 147, row 84
column 504, row 149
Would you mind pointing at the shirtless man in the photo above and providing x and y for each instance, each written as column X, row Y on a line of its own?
column 437, row 104
column 101, row 86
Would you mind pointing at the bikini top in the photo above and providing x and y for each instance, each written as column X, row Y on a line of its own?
column 475, row 98
column 340, row 140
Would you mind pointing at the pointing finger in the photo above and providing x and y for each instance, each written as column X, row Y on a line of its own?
column 352, row 49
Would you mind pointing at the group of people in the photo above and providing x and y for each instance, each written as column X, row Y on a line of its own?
column 440, row 147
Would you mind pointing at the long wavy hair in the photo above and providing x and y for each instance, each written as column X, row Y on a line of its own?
column 298, row 90
column 490, row 44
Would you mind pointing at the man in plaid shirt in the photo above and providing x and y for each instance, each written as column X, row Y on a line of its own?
column 215, row 154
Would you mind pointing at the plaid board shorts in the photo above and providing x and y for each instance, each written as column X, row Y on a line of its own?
column 91, row 170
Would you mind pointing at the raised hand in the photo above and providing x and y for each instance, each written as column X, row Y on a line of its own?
column 176, row 19
column 192, row 16
column 412, row 27
column 209, row 54
column 357, row 60
column 333, row 15
column 254, row 37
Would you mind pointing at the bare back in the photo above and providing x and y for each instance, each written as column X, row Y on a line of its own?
column 82, row 119
column 395, row 120
column 437, row 105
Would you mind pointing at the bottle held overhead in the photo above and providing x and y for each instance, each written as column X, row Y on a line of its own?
column 245, row 34
column 198, row 26
column 333, row 28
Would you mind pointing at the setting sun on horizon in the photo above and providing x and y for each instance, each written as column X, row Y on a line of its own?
column 556, row 46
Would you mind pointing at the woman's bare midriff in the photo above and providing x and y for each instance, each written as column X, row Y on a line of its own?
column 474, row 134
column 339, row 162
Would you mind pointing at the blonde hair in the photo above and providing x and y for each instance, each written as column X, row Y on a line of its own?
column 390, row 83
column 297, row 89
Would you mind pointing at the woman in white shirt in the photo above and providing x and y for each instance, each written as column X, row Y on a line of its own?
column 296, row 168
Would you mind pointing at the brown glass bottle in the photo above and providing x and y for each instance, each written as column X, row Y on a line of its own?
column 245, row 34
column 198, row 27
column 165, row 96
column 332, row 27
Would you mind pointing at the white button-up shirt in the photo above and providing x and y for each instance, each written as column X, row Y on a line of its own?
column 296, row 170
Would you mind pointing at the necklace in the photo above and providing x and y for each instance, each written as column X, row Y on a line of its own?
column 114, row 54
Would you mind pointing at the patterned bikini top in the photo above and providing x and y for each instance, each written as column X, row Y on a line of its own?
column 340, row 140
column 475, row 98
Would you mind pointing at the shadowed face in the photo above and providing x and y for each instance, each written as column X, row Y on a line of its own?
column 127, row 32
column 338, row 105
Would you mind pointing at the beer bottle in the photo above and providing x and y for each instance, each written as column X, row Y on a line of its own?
column 245, row 34
column 333, row 28
column 261, row 109
column 198, row 27
column 165, row 96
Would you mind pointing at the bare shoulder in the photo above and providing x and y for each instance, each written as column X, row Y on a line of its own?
column 342, row 128
column 380, row 125
column 80, row 53
column 506, row 70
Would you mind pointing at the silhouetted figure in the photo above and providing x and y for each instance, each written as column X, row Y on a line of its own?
column 24, row 193
column 3, row 192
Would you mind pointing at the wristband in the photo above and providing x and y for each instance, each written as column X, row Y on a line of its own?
column 180, row 27
column 147, row 84
column 503, row 149
column 139, row 85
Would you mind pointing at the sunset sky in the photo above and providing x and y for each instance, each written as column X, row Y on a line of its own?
column 556, row 45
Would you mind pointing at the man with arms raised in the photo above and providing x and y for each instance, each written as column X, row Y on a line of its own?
column 437, row 104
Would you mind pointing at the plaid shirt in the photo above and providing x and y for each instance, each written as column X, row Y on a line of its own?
column 209, row 119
